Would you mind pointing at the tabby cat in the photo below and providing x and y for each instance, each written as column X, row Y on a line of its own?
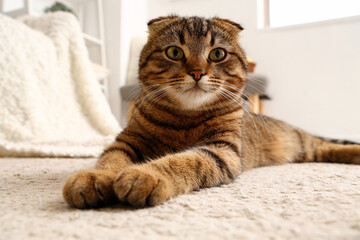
column 189, row 129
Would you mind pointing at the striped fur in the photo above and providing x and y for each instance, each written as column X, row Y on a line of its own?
column 187, row 134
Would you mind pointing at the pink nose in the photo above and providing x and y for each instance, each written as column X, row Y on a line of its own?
column 197, row 74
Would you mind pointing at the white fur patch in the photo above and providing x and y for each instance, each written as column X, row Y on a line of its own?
column 192, row 96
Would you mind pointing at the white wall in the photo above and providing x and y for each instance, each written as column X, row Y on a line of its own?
column 314, row 70
column 36, row 6
column 315, row 76
column 112, row 19
column 123, row 20
column 133, row 23
column 12, row 5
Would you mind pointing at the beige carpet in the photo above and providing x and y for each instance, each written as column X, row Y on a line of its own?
column 295, row 201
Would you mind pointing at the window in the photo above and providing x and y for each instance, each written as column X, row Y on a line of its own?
column 279, row 13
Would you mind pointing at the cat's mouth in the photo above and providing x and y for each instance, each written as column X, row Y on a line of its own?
column 193, row 95
column 195, row 89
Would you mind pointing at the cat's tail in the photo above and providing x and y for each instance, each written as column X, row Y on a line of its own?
column 338, row 141
column 283, row 143
column 322, row 149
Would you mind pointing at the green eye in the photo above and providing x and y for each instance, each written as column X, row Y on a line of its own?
column 217, row 55
column 175, row 53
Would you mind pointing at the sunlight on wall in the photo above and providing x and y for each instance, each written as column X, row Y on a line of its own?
column 285, row 12
column 12, row 5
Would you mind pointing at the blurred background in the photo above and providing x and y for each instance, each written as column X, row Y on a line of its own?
column 308, row 51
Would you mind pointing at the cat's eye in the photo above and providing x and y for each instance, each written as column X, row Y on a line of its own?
column 217, row 55
column 175, row 53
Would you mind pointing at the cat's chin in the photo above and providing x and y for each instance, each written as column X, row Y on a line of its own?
column 194, row 98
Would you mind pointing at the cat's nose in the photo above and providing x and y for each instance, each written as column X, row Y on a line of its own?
column 197, row 74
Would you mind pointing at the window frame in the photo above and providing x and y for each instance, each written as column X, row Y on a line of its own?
column 263, row 17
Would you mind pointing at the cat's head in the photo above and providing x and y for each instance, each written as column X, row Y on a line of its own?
column 193, row 62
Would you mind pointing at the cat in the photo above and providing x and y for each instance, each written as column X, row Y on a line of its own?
column 189, row 129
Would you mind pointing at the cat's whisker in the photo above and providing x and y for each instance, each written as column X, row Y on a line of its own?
column 256, row 81
column 139, row 106
column 147, row 87
column 152, row 86
column 257, row 132
column 237, row 106
column 160, row 83
column 253, row 78
column 138, row 91
column 154, row 99
column 263, row 123
column 257, row 89
column 165, row 79
column 146, row 96
column 259, row 116
column 227, row 98
column 237, row 101
column 132, row 94
column 223, row 102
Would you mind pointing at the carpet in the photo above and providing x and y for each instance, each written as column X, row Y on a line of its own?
column 293, row 201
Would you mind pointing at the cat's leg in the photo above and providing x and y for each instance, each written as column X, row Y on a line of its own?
column 94, row 187
column 156, row 181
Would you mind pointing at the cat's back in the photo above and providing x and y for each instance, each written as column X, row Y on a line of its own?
column 266, row 140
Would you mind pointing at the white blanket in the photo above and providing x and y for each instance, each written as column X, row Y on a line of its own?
column 51, row 103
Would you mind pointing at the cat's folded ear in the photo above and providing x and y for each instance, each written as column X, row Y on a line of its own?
column 157, row 22
column 229, row 23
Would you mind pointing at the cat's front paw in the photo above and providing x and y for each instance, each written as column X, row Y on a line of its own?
column 90, row 188
column 140, row 186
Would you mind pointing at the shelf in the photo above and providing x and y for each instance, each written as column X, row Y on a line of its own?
column 100, row 71
column 92, row 40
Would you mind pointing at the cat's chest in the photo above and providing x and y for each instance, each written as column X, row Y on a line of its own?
column 191, row 134
column 185, row 137
column 171, row 132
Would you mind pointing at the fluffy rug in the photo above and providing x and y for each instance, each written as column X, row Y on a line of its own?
column 51, row 102
column 294, row 201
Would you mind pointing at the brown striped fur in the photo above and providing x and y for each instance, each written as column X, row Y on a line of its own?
column 187, row 134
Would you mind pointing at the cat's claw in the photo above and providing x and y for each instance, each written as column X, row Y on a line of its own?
column 140, row 187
